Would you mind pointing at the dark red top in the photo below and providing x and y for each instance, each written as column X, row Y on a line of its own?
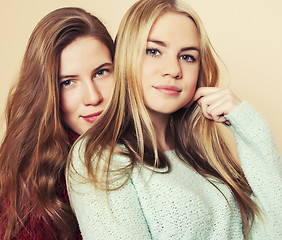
column 34, row 228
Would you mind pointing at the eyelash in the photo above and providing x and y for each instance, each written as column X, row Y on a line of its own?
column 101, row 72
column 66, row 83
column 149, row 51
column 155, row 52
column 190, row 57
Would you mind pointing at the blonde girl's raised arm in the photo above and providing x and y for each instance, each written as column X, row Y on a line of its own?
column 262, row 165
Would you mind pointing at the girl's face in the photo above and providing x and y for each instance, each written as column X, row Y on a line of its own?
column 86, row 82
column 170, row 67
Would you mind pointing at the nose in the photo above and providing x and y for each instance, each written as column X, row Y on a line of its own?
column 171, row 67
column 91, row 94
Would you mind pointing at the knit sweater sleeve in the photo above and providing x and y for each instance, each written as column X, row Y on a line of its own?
column 262, row 165
column 102, row 216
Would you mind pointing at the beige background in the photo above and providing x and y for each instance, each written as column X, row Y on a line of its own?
column 246, row 34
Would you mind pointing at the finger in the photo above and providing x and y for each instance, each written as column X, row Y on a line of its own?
column 213, row 95
column 205, row 112
column 220, row 119
column 218, row 106
column 204, row 91
column 225, row 105
column 211, row 101
column 227, row 123
column 222, row 97
column 216, row 102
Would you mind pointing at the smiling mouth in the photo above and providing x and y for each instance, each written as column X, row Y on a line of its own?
column 168, row 90
column 92, row 117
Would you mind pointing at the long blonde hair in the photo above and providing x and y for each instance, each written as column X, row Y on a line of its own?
column 198, row 141
column 35, row 147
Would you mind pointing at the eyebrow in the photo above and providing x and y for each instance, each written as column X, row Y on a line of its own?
column 95, row 70
column 161, row 43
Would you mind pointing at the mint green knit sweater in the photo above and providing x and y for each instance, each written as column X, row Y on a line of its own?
column 182, row 204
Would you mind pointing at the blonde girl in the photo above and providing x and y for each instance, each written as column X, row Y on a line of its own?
column 156, row 165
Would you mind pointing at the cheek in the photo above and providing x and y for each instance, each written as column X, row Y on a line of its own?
column 191, row 81
column 148, row 69
column 105, row 88
column 190, row 90
column 109, row 88
column 68, row 104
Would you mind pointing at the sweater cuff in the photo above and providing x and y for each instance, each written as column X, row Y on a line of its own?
column 251, row 128
column 245, row 118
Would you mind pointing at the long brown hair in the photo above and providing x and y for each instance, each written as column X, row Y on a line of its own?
column 198, row 141
column 34, row 149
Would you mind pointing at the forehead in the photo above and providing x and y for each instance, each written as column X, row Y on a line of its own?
column 175, row 27
column 84, row 53
column 84, row 44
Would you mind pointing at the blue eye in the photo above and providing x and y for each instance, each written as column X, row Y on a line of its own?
column 66, row 83
column 102, row 73
column 152, row 51
column 188, row 58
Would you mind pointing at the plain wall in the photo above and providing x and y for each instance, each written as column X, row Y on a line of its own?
column 247, row 35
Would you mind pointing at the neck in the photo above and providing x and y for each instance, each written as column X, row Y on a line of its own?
column 160, row 123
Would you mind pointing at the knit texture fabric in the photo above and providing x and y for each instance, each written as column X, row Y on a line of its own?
column 182, row 204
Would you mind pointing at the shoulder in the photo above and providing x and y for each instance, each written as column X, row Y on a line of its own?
column 77, row 154
column 115, row 162
column 117, row 157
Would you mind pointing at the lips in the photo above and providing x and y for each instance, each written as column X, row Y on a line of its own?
column 168, row 89
column 92, row 117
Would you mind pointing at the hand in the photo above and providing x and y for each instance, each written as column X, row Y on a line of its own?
column 216, row 102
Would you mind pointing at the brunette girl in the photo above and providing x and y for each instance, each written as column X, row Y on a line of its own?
column 64, row 84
